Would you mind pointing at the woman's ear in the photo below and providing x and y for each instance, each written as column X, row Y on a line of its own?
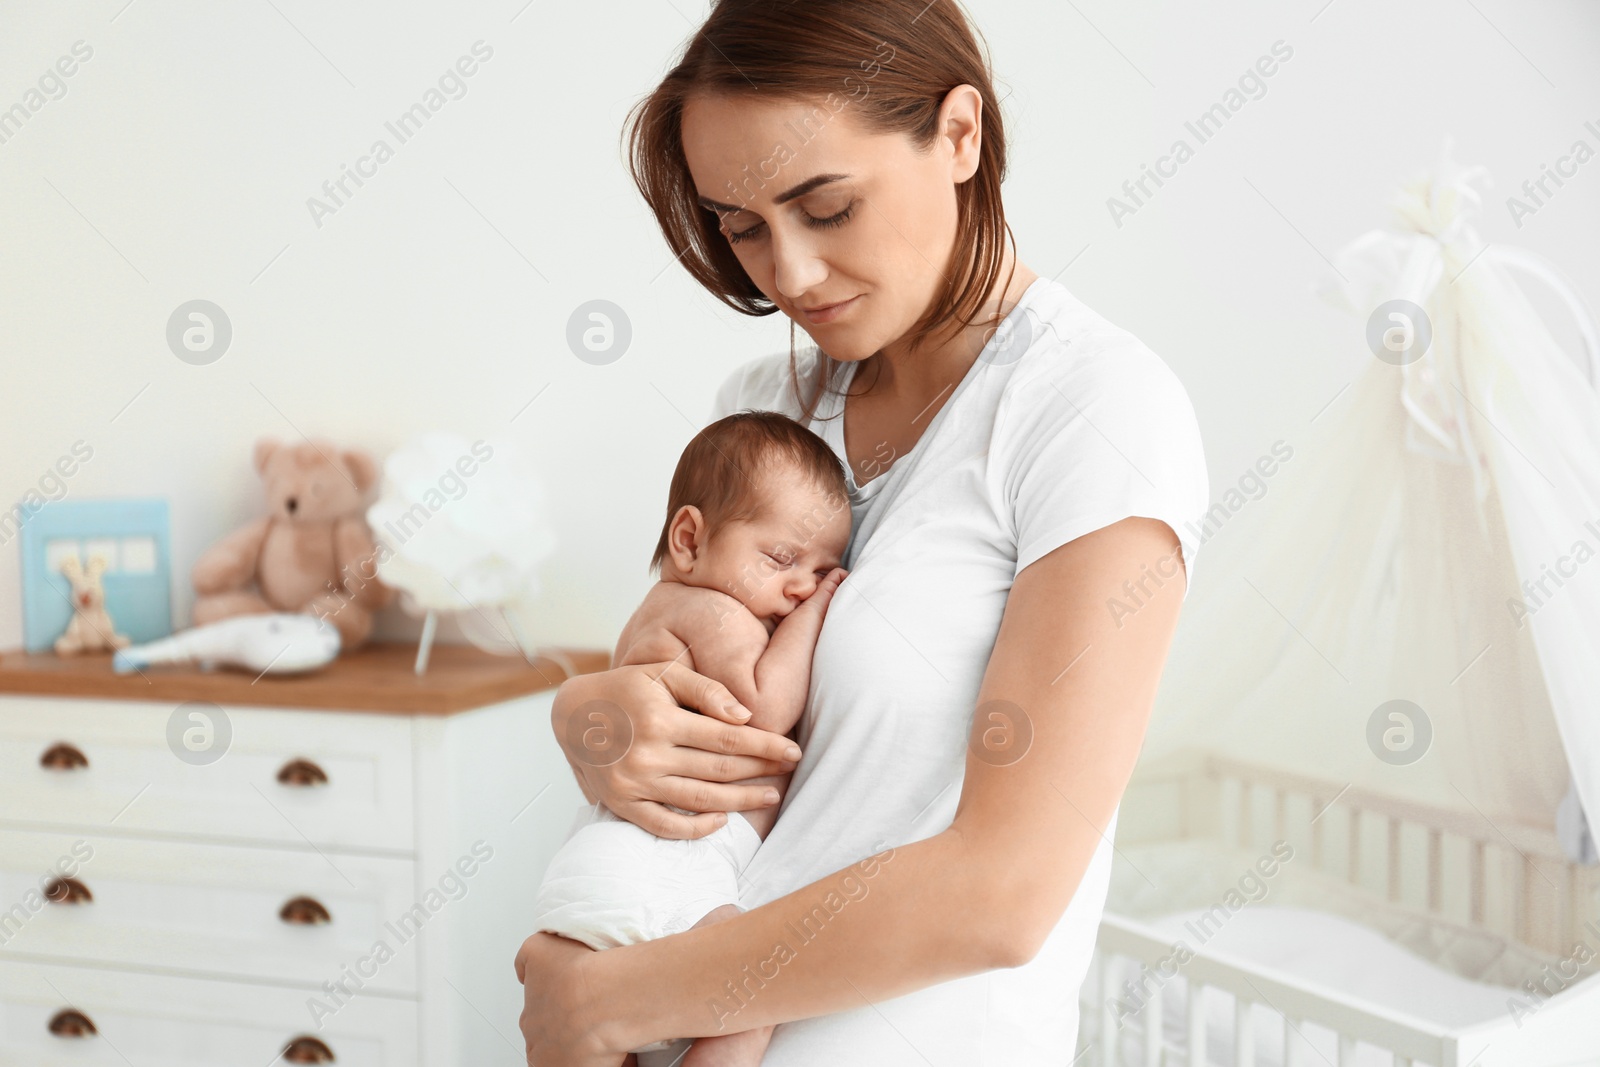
column 686, row 537
column 961, row 119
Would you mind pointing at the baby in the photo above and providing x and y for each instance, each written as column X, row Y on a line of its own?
column 757, row 520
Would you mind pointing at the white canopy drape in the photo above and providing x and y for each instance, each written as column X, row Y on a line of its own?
column 1434, row 538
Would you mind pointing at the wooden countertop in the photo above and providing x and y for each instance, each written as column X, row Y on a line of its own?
column 375, row 677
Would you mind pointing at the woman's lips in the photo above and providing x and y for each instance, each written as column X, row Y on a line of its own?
column 828, row 314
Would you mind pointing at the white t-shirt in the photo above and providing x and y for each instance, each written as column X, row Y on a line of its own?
column 1065, row 424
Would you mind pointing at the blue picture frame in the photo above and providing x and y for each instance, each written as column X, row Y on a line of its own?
column 133, row 534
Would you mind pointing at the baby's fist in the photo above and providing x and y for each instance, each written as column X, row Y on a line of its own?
column 826, row 588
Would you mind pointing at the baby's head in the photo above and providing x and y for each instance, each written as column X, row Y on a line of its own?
column 758, row 509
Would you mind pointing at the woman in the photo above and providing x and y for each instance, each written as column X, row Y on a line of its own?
column 1024, row 480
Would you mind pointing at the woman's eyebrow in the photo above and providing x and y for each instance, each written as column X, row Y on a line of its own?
column 782, row 198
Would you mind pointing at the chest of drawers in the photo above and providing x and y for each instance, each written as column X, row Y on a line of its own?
column 209, row 869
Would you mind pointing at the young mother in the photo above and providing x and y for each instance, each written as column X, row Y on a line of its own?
column 1024, row 479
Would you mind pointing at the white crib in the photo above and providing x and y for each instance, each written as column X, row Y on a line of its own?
column 1395, row 933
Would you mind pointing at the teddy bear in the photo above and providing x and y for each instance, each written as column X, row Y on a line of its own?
column 313, row 552
column 91, row 628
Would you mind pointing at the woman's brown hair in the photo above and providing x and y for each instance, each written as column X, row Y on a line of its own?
column 892, row 62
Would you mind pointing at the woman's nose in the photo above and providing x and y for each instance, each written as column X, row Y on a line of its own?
column 796, row 267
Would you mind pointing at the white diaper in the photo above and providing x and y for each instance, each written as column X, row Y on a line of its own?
column 613, row 883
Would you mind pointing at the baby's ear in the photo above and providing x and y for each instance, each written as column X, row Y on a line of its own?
column 686, row 534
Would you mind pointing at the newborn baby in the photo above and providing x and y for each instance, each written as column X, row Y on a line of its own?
column 757, row 520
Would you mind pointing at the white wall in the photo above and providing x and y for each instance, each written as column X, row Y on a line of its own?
column 179, row 163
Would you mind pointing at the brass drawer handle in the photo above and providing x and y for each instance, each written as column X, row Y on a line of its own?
column 307, row 1050
column 302, row 772
column 303, row 911
column 63, row 757
column 67, row 891
column 70, row 1023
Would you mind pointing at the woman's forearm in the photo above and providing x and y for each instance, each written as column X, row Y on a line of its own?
column 901, row 920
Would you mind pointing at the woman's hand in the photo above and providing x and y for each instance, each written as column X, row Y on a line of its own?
column 557, row 1028
column 634, row 749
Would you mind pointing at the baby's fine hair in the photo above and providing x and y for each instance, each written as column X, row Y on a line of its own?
column 722, row 468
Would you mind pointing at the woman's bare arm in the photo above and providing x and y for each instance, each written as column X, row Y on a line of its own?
column 1078, row 684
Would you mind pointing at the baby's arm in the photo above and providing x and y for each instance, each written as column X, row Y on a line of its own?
column 770, row 677
column 784, row 673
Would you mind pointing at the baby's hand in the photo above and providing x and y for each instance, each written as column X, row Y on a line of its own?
column 808, row 614
column 818, row 601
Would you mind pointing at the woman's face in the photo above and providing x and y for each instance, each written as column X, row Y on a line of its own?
column 819, row 211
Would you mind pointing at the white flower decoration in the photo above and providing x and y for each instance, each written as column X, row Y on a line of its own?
column 461, row 524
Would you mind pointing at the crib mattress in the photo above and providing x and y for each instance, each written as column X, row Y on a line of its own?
column 1152, row 881
column 1345, row 956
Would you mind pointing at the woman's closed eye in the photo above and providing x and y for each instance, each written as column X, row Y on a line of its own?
column 831, row 221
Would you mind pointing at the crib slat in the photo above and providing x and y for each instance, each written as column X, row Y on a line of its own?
column 1394, row 860
column 1318, row 809
column 1475, row 883
column 1355, row 846
column 1108, row 1014
column 1225, row 797
column 1197, row 1025
column 1435, row 871
column 1294, row 1046
column 1523, row 904
column 1154, row 1043
column 1347, row 1051
column 1567, row 900
column 1244, row 1033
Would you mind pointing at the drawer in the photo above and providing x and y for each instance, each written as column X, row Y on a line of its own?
column 217, row 910
column 136, row 774
column 155, row 1021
